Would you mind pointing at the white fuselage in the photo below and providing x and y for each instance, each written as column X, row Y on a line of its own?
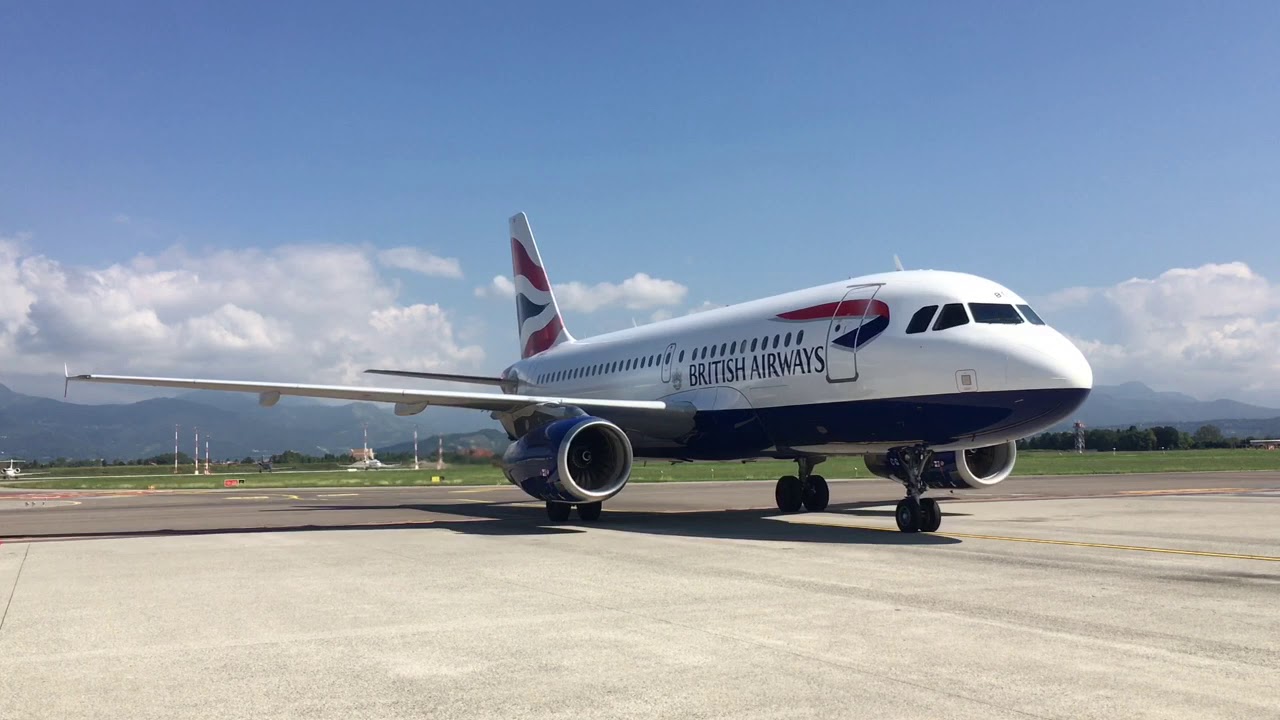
column 818, row 386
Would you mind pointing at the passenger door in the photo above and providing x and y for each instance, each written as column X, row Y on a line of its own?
column 666, row 362
column 857, row 320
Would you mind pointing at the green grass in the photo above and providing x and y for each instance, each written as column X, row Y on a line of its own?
column 1029, row 463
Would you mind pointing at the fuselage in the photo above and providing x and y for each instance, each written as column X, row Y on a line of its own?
column 946, row 359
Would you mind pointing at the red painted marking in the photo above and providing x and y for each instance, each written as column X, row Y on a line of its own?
column 544, row 338
column 523, row 265
column 844, row 309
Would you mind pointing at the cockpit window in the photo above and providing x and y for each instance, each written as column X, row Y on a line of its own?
column 920, row 321
column 1030, row 315
column 995, row 314
column 952, row 314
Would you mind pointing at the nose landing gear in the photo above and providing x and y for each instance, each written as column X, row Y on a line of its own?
column 808, row 490
column 916, row 514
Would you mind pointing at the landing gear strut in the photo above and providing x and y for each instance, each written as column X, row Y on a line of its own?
column 916, row 514
column 808, row 490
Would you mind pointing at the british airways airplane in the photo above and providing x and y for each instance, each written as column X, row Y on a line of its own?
column 930, row 376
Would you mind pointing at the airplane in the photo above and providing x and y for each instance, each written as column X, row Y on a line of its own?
column 12, row 472
column 371, row 464
column 931, row 376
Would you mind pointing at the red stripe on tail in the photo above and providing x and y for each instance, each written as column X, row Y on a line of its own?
column 543, row 339
column 526, row 267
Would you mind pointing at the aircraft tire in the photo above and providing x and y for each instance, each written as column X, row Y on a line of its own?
column 590, row 512
column 930, row 515
column 816, row 494
column 789, row 494
column 908, row 515
column 558, row 512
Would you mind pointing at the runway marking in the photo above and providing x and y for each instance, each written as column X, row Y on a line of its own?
column 486, row 489
column 1186, row 491
column 338, row 495
column 1067, row 543
column 248, row 497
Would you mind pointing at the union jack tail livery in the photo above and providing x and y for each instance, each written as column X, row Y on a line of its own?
column 541, row 325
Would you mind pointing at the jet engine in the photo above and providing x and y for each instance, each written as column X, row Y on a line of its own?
column 574, row 460
column 975, row 468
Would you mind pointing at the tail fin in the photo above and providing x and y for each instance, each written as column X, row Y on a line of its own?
column 541, row 326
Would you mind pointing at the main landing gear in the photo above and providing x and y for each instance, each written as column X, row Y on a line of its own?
column 916, row 514
column 587, row 512
column 809, row 491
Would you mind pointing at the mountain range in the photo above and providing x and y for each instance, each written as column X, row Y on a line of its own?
column 38, row 428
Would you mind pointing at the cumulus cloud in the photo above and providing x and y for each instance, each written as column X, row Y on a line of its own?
column 500, row 287
column 638, row 292
column 421, row 262
column 316, row 313
column 1211, row 331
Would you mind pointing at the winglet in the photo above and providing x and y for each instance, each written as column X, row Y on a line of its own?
column 896, row 262
column 66, row 380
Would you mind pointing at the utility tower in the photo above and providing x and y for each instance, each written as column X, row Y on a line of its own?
column 440, row 453
column 1079, row 428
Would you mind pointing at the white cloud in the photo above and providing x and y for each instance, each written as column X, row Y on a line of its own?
column 638, row 292
column 420, row 261
column 121, row 219
column 1211, row 331
column 500, row 287
column 660, row 315
column 307, row 313
column 703, row 307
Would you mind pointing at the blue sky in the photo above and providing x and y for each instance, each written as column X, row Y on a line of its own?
column 736, row 150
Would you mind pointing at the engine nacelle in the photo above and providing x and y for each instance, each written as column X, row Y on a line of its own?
column 976, row 468
column 581, row 459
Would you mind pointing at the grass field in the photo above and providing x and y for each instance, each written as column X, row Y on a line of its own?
column 1029, row 463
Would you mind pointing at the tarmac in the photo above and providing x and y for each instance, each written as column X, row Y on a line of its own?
column 1086, row 597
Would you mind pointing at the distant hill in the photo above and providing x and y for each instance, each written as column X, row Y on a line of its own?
column 1133, row 403
column 35, row 428
column 488, row 439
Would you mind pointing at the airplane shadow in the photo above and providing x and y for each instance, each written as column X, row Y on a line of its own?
column 505, row 518
column 515, row 520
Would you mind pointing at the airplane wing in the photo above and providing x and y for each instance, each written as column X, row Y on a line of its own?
column 408, row 402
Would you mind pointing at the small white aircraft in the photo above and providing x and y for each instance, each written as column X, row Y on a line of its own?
column 931, row 376
column 12, row 472
column 371, row 464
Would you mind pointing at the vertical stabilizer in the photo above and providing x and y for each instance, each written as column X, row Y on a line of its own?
column 541, row 326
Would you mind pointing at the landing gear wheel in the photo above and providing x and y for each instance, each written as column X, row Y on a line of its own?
column 930, row 515
column 590, row 512
column 558, row 512
column 909, row 515
column 816, row 494
column 789, row 493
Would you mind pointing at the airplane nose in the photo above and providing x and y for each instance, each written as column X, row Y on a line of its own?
column 1048, row 363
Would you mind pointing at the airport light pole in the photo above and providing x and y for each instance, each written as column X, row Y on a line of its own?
column 175, row 449
column 196, row 457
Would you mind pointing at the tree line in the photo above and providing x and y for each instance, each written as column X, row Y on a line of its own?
column 1162, row 437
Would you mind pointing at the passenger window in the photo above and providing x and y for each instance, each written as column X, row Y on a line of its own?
column 776, row 338
column 799, row 338
column 681, row 356
column 952, row 315
column 920, row 321
column 995, row 314
column 1030, row 315
column 713, row 351
column 753, row 344
column 733, row 348
column 787, row 342
column 722, row 348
